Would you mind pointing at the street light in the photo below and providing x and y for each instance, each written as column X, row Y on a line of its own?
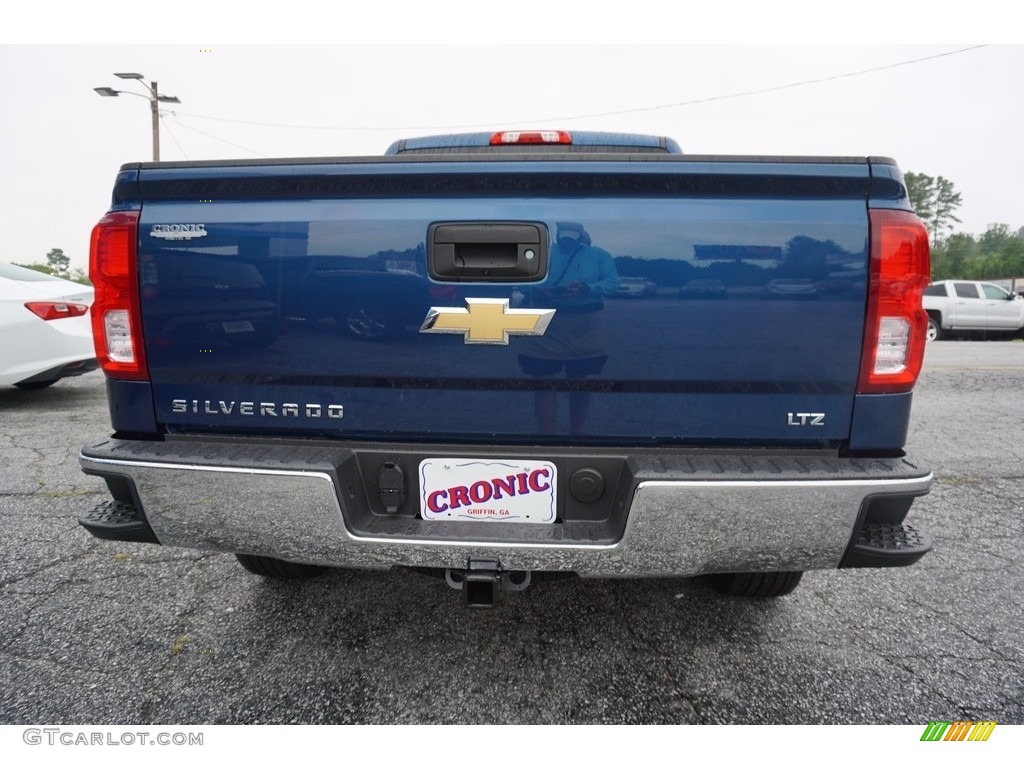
column 154, row 97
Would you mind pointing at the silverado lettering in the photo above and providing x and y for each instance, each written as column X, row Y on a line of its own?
column 227, row 408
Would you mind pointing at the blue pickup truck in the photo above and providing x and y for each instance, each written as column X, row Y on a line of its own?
column 423, row 359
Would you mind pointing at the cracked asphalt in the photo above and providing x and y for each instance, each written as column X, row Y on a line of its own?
column 113, row 633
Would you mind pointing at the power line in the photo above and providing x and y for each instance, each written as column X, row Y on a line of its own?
column 170, row 133
column 772, row 89
column 634, row 110
column 215, row 138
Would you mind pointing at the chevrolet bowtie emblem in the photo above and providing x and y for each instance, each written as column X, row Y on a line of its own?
column 487, row 321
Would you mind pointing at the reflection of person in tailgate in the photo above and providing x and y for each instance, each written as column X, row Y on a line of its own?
column 579, row 276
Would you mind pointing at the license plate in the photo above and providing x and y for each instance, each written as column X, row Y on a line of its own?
column 238, row 326
column 510, row 491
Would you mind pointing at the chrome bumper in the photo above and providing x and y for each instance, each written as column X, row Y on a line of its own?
column 290, row 506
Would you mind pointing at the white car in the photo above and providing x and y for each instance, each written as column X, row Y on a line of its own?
column 45, row 332
column 955, row 306
column 636, row 287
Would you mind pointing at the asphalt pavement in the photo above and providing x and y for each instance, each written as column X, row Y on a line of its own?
column 105, row 632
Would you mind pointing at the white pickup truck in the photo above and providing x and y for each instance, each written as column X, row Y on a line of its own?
column 968, row 305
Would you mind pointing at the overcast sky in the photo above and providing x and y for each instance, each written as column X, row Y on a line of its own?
column 959, row 115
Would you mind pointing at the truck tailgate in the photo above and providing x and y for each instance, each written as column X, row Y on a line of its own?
column 294, row 305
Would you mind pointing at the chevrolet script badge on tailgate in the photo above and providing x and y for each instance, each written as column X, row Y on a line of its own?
column 487, row 321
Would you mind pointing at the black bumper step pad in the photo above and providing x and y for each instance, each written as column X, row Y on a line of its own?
column 882, row 545
column 118, row 521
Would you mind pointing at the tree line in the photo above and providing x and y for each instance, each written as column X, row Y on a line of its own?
column 59, row 265
column 996, row 254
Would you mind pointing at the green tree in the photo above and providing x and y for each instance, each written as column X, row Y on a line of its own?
column 956, row 251
column 921, row 189
column 59, row 266
column 37, row 268
column 935, row 200
column 995, row 239
column 947, row 201
column 1000, row 253
column 1013, row 258
column 58, row 262
column 79, row 275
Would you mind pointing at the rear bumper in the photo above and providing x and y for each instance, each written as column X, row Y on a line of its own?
column 684, row 513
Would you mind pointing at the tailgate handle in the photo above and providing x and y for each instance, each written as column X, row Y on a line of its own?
column 500, row 251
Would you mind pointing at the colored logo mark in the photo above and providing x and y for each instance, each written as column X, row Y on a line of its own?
column 487, row 321
column 958, row 730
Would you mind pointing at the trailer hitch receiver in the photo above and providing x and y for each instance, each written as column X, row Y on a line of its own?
column 481, row 581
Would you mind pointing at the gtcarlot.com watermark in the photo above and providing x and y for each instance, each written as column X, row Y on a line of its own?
column 71, row 737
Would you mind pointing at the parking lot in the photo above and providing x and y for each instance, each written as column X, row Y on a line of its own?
column 105, row 632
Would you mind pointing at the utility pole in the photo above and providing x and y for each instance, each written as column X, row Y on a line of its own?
column 156, row 122
column 154, row 100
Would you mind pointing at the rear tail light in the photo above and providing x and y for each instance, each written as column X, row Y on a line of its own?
column 894, row 335
column 531, row 137
column 55, row 310
column 116, row 316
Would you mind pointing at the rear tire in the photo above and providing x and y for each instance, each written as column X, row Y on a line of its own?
column 773, row 584
column 273, row 568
